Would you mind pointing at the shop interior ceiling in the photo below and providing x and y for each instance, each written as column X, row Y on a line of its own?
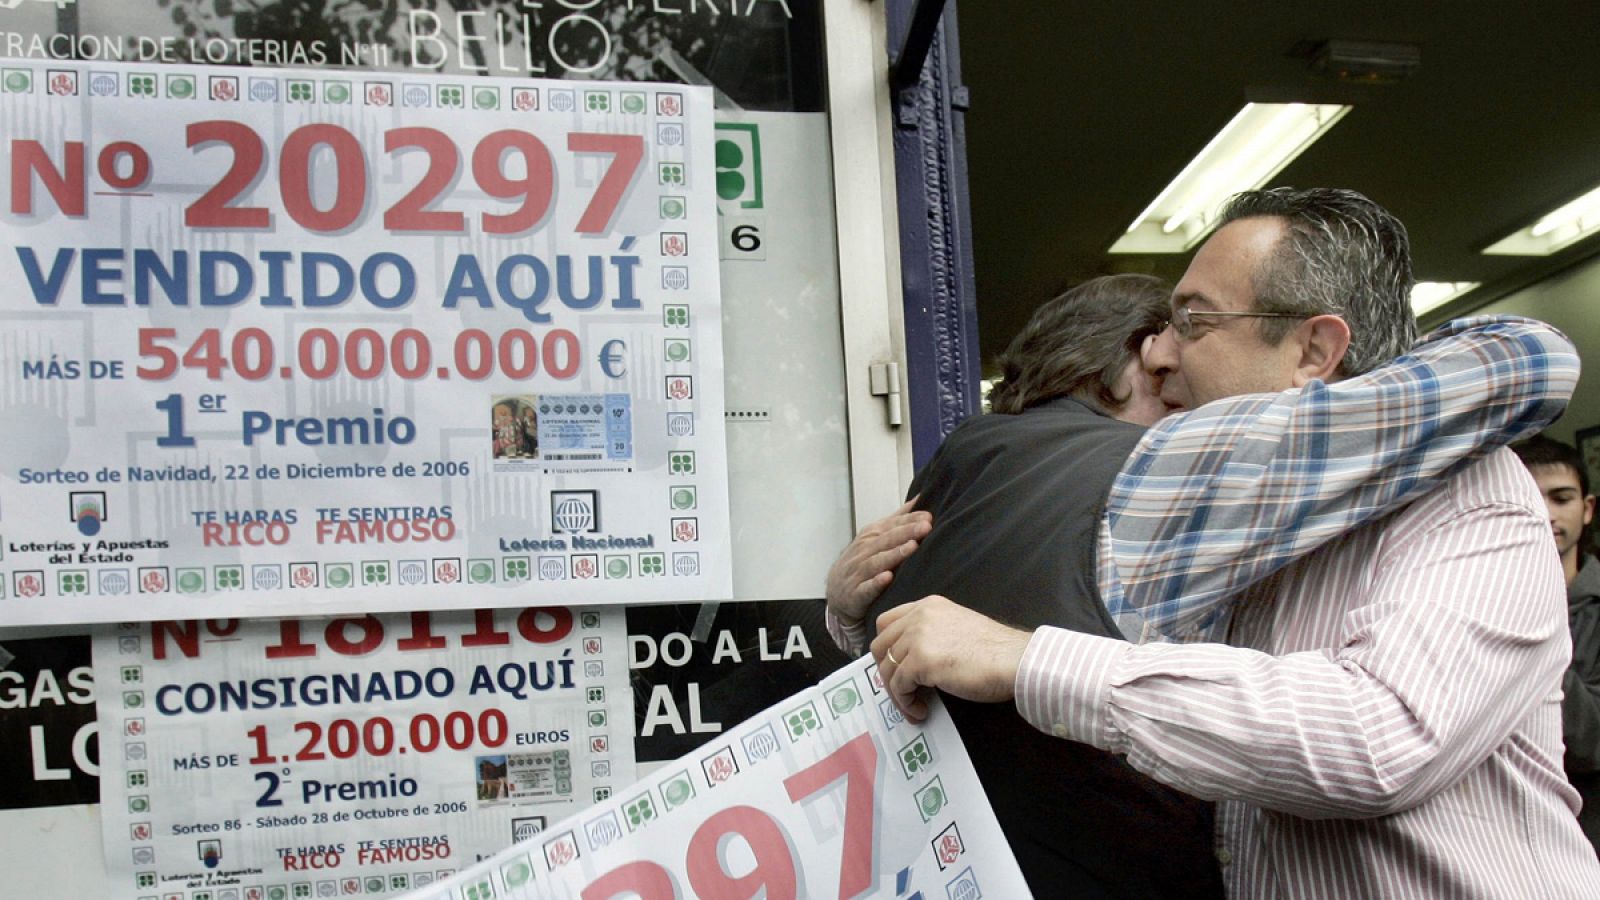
column 1081, row 113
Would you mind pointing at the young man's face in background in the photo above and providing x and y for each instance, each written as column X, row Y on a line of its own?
column 1569, row 509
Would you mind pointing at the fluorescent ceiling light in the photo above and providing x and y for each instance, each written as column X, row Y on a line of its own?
column 1569, row 223
column 1427, row 296
column 1245, row 154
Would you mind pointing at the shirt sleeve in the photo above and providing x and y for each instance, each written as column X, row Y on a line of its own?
column 1216, row 499
column 852, row 639
column 1373, row 726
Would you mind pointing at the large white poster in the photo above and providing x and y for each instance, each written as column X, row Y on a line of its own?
column 292, row 342
column 266, row 760
column 830, row 793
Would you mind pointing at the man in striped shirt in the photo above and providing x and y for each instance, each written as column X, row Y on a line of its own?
column 1387, row 721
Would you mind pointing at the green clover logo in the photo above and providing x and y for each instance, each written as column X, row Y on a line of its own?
column 802, row 722
column 915, row 756
column 640, row 811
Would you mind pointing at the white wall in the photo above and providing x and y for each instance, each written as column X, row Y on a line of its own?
column 1569, row 300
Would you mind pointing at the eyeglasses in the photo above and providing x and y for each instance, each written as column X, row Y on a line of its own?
column 1182, row 320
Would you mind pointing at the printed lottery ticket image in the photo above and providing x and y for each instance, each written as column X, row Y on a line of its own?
column 830, row 793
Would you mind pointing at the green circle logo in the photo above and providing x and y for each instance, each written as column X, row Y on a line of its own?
column 678, row 792
column 481, row 571
column 932, row 800
column 677, row 352
column 845, row 700
column 180, row 88
column 617, row 568
column 190, row 581
column 633, row 103
column 16, row 81
column 338, row 577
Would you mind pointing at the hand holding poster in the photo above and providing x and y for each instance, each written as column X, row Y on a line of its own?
column 289, row 342
column 280, row 759
column 828, row 794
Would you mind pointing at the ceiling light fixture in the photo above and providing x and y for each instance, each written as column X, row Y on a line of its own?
column 1245, row 154
column 1558, row 229
column 1427, row 296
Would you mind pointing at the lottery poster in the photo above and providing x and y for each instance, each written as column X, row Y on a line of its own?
column 831, row 793
column 697, row 675
column 273, row 759
column 297, row 342
column 49, row 739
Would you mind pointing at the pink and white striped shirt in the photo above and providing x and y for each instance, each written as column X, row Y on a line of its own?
column 1388, row 721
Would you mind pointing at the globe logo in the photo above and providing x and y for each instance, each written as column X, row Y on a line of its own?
column 760, row 745
column 573, row 514
column 604, row 832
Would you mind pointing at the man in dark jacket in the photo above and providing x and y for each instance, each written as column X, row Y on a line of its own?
column 1017, row 495
column 1564, row 482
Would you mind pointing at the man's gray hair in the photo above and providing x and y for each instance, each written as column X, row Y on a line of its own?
column 1343, row 255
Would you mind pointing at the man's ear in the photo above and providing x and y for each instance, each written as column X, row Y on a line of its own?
column 1323, row 342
